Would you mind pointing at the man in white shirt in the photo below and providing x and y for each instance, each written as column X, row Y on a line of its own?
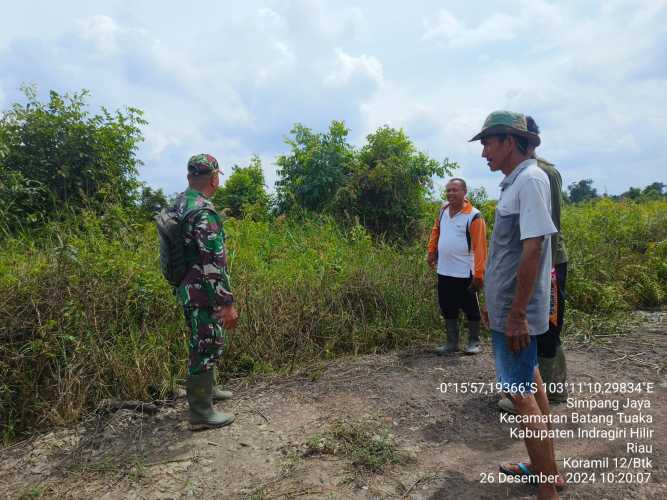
column 457, row 250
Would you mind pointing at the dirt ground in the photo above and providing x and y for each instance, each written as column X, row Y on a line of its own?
column 446, row 442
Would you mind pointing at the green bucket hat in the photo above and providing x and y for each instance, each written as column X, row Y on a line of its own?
column 507, row 122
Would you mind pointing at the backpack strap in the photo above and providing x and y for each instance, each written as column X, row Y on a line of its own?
column 191, row 212
column 468, row 237
column 442, row 211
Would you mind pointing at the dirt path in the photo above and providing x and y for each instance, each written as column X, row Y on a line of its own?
column 357, row 412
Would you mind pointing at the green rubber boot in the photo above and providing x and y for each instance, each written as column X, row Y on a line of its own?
column 219, row 394
column 200, row 399
column 554, row 374
column 559, row 377
column 452, row 346
column 473, row 346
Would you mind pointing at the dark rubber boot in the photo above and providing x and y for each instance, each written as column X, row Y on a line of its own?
column 452, row 346
column 473, row 346
column 200, row 394
column 553, row 373
column 219, row 394
column 546, row 371
column 558, row 377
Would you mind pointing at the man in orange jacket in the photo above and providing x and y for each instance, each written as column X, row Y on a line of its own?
column 457, row 251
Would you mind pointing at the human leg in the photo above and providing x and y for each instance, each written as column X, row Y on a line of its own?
column 517, row 374
column 543, row 404
column 450, row 313
column 205, row 347
column 559, row 370
column 470, row 305
column 547, row 349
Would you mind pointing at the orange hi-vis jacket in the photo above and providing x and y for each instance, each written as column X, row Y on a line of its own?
column 475, row 234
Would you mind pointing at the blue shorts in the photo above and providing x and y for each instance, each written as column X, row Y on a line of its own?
column 515, row 371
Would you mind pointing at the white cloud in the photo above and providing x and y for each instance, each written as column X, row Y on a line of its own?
column 450, row 30
column 101, row 31
column 349, row 69
column 234, row 81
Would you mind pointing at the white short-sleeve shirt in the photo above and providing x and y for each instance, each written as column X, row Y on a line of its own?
column 523, row 211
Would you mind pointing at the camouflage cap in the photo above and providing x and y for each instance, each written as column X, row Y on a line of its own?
column 507, row 122
column 202, row 164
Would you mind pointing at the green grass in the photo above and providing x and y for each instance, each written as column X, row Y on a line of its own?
column 86, row 315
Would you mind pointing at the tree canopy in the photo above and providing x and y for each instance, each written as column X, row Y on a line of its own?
column 383, row 185
column 582, row 190
column 314, row 169
column 56, row 154
column 244, row 192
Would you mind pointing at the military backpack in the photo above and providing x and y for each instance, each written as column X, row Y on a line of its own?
column 172, row 242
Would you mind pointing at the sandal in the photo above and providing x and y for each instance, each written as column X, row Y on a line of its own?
column 523, row 469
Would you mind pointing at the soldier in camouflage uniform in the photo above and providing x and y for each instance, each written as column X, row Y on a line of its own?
column 205, row 291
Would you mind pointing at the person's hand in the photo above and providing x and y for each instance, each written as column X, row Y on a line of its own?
column 228, row 316
column 485, row 316
column 476, row 284
column 431, row 258
column 516, row 331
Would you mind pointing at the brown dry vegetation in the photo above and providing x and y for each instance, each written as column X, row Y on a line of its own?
column 373, row 426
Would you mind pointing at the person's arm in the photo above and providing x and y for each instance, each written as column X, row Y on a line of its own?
column 432, row 246
column 479, row 248
column 516, row 329
column 210, row 238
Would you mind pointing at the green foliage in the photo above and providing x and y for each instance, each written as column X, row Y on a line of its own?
column 617, row 254
column 244, row 194
column 582, row 191
column 315, row 168
column 18, row 195
column 87, row 314
column 64, row 156
column 386, row 191
column 383, row 186
column 654, row 191
column 151, row 201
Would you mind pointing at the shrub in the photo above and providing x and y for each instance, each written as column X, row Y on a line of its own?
column 243, row 193
column 67, row 156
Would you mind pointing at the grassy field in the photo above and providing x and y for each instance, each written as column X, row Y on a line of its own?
column 85, row 314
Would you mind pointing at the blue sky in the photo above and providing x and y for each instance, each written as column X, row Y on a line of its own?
column 232, row 78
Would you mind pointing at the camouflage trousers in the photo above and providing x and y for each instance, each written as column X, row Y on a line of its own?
column 207, row 339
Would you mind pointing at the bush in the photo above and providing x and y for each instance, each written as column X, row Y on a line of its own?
column 617, row 254
column 383, row 186
column 315, row 168
column 388, row 186
column 243, row 193
column 68, row 157
column 86, row 314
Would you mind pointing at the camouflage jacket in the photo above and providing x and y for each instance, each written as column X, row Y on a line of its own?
column 206, row 283
column 558, row 250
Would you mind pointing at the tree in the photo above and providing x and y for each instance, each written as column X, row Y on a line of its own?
column 387, row 188
column 582, row 191
column 70, row 157
column 244, row 192
column 633, row 193
column 151, row 201
column 315, row 168
column 654, row 191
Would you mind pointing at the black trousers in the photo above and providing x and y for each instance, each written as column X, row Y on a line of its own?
column 454, row 294
column 549, row 342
